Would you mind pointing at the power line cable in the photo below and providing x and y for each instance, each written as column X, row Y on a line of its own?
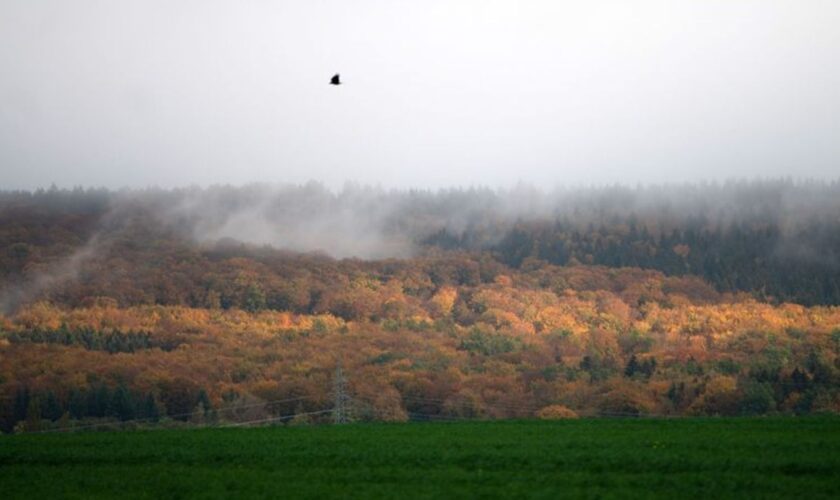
column 175, row 416
column 278, row 419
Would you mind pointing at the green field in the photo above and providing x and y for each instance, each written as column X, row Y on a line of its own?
column 699, row 458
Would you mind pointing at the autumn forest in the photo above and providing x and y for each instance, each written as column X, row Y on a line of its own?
column 242, row 304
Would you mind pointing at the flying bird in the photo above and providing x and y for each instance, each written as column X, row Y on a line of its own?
column 335, row 80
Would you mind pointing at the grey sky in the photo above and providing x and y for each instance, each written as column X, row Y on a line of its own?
column 437, row 93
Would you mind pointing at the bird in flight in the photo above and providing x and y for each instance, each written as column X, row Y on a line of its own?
column 335, row 80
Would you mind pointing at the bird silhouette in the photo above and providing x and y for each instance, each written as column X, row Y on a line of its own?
column 335, row 80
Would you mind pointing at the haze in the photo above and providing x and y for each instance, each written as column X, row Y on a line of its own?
column 436, row 93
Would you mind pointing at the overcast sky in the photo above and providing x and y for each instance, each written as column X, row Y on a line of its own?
column 437, row 93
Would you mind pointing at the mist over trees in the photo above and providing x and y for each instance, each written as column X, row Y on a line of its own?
column 778, row 240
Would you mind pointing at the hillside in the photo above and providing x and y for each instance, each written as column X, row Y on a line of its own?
column 113, row 313
column 593, row 340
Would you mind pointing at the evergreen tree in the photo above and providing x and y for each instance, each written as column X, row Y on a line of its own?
column 121, row 404
column 51, row 409
column 21, row 405
column 77, row 404
column 632, row 367
column 33, row 416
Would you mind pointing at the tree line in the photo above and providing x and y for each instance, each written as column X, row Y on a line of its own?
column 112, row 341
column 777, row 240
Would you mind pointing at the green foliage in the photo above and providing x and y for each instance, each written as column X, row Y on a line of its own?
column 254, row 298
column 51, row 408
column 644, row 368
column 677, row 393
column 92, row 340
column 99, row 401
column 692, row 367
column 122, row 404
column 757, row 398
column 635, row 342
column 728, row 366
column 385, row 358
column 553, row 372
column 731, row 256
column 599, row 367
column 489, row 344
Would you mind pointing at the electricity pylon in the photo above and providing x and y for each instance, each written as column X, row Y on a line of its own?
column 341, row 401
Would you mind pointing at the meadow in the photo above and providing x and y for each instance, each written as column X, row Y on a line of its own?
column 688, row 458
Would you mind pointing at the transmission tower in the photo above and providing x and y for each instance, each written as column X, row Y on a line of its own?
column 341, row 403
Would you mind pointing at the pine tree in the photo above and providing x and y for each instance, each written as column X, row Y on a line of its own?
column 52, row 409
column 632, row 367
column 33, row 416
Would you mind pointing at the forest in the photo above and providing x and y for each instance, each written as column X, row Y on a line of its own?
column 236, row 304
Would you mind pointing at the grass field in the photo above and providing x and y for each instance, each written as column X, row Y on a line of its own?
column 698, row 458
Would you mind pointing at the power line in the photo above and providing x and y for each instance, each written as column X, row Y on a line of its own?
column 278, row 419
column 176, row 416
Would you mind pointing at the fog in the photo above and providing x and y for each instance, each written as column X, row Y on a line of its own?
column 782, row 229
column 437, row 94
column 375, row 223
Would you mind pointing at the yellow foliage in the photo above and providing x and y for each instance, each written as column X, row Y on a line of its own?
column 556, row 412
column 40, row 315
column 560, row 318
column 444, row 300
